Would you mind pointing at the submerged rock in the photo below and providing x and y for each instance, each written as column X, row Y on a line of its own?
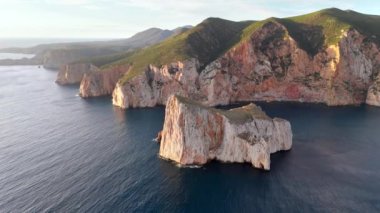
column 158, row 137
column 196, row 134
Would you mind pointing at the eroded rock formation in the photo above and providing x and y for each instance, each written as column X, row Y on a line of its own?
column 157, row 84
column 196, row 134
column 268, row 66
column 373, row 95
column 73, row 73
column 102, row 82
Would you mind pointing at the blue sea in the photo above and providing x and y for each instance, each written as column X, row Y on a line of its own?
column 61, row 153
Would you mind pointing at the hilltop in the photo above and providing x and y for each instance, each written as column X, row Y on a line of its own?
column 205, row 42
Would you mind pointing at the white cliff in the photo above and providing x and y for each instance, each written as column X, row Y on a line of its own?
column 196, row 134
column 73, row 73
column 102, row 82
column 156, row 85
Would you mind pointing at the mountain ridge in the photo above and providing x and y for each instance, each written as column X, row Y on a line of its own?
column 329, row 56
column 313, row 32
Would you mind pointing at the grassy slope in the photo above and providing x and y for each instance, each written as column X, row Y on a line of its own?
column 334, row 20
column 322, row 28
column 102, row 61
column 205, row 42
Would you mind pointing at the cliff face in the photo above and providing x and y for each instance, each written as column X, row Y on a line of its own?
column 101, row 83
column 195, row 134
column 73, row 73
column 272, row 67
column 157, row 84
column 268, row 66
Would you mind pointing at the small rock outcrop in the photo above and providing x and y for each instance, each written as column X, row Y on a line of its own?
column 196, row 134
column 102, row 82
column 73, row 73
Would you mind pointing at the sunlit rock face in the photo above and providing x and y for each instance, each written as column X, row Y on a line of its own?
column 156, row 85
column 73, row 73
column 281, row 71
column 102, row 82
column 268, row 66
column 196, row 134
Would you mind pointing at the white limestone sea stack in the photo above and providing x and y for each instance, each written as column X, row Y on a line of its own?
column 194, row 134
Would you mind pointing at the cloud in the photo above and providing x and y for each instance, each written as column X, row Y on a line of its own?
column 228, row 9
column 85, row 4
column 68, row 2
column 125, row 17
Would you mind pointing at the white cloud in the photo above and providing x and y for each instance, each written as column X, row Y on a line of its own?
column 120, row 18
column 68, row 2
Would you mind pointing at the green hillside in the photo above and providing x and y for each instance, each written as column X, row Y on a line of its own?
column 205, row 42
column 101, row 61
column 334, row 20
column 322, row 28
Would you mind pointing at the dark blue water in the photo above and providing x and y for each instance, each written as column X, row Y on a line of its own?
column 59, row 153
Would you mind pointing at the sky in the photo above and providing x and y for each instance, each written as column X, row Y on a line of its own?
column 123, row 18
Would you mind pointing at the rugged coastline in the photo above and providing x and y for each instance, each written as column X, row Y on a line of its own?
column 279, row 71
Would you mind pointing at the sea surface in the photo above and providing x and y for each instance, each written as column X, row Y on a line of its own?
column 15, row 56
column 30, row 42
column 60, row 153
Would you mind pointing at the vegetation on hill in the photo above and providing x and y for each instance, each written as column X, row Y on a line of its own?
column 205, row 42
column 98, row 51
column 101, row 61
column 333, row 21
column 323, row 28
